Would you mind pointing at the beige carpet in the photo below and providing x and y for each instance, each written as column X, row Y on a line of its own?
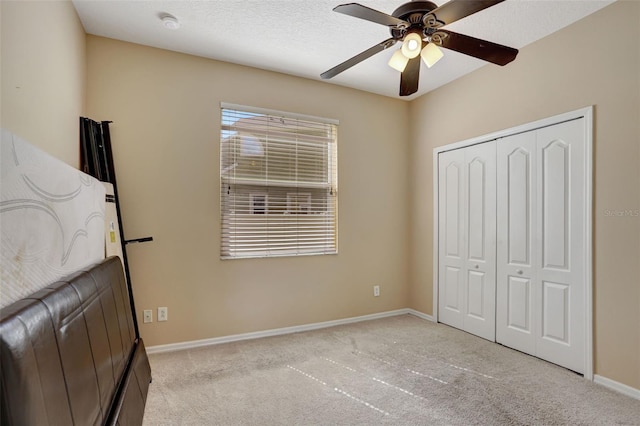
column 400, row 370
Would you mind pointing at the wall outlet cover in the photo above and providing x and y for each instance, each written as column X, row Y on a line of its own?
column 163, row 313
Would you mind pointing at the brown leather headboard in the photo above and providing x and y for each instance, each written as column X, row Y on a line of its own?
column 69, row 351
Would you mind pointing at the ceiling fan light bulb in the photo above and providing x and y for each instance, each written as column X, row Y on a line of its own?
column 431, row 54
column 411, row 45
column 398, row 61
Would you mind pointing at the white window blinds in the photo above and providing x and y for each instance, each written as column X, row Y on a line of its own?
column 278, row 176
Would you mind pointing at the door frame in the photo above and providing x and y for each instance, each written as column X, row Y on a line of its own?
column 587, row 190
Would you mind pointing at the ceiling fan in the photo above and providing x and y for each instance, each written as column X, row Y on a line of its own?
column 418, row 24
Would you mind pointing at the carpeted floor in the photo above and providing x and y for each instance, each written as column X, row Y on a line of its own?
column 400, row 370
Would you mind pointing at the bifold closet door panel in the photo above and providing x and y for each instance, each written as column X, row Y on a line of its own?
column 451, row 210
column 480, row 241
column 560, row 250
column 540, row 255
column 467, row 224
column 516, row 214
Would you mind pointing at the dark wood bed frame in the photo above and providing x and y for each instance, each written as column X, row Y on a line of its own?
column 69, row 353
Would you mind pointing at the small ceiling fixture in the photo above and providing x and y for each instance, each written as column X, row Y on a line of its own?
column 418, row 25
column 170, row 21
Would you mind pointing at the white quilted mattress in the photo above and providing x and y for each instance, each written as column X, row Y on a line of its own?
column 51, row 219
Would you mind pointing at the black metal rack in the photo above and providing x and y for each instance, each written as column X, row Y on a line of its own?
column 96, row 159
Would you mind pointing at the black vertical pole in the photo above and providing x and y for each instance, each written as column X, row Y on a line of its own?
column 110, row 172
column 84, row 145
column 97, row 160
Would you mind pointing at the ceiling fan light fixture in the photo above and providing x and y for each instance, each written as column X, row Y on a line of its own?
column 431, row 54
column 398, row 61
column 412, row 45
column 417, row 25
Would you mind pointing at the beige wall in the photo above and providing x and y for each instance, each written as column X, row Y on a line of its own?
column 568, row 70
column 165, row 109
column 43, row 75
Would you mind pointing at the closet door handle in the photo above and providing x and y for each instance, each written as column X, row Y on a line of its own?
column 477, row 266
column 519, row 271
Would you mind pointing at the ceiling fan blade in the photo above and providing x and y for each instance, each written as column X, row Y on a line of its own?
column 358, row 58
column 458, row 9
column 482, row 49
column 410, row 77
column 363, row 12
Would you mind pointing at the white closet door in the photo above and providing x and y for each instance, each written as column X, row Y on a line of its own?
column 467, row 202
column 451, row 210
column 480, row 244
column 516, row 214
column 560, row 251
column 540, row 283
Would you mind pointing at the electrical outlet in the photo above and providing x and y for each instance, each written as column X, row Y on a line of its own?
column 163, row 313
column 148, row 316
column 376, row 290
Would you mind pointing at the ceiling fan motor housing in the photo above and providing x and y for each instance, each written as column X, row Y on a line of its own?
column 413, row 13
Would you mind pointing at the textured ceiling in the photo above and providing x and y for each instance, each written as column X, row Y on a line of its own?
column 305, row 37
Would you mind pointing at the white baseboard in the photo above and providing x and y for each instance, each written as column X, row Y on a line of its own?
column 278, row 331
column 421, row 315
column 617, row 386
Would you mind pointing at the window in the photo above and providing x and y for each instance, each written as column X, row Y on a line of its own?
column 278, row 176
column 257, row 203
column 298, row 203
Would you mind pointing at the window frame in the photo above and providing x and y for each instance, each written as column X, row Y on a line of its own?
column 314, row 231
